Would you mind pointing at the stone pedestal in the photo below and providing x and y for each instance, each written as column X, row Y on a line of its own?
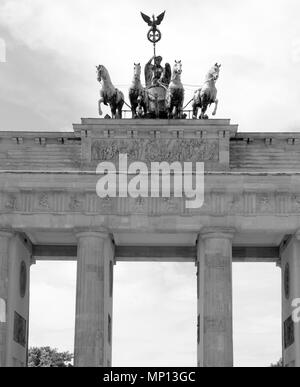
column 290, row 265
column 215, row 332
column 145, row 140
column 93, row 326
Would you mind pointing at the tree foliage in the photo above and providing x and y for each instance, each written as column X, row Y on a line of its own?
column 48, row 357
column 278, row 364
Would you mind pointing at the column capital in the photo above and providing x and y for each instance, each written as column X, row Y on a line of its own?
column 217, row 232
column 6, row 231
column 96, row 232
column 297, row 235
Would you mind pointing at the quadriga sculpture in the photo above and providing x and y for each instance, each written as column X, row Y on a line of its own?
column 163, row 95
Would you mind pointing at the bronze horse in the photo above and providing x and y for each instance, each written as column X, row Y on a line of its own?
column 137, row 94
column 109, row 95
column 175, row 93
column 207, row 94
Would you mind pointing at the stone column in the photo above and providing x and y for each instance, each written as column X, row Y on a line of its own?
column 93, row 299
column 290, row 265
column 15, row 260
column 215, row 336
column 5, row 236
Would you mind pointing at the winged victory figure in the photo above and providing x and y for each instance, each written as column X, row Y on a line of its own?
column 153, row 22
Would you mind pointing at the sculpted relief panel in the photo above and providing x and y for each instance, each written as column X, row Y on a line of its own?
column 216, row 203
column 156, row 150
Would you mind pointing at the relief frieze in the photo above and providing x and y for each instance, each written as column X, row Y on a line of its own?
column 156, row 150
column 215, row 204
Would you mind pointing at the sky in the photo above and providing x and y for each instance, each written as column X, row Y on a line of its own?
column 155, row 312
column 48, row 53
column 52, row 47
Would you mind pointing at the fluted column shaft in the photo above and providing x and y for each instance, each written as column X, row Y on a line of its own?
column 5, row 236
column 90, row 300
column 215, row 298
column 290, row 265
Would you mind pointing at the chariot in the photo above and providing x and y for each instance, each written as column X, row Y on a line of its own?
column 156, row 96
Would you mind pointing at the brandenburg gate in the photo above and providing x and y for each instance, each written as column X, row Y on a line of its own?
column 49, row 210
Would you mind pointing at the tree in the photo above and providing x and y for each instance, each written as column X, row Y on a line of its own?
column 48, row 357
column 277, row 365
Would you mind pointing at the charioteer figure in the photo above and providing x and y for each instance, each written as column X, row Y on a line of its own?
column 163, row 95
column 156, row 74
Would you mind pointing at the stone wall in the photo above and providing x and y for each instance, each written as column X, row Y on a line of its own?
column 39, row 151
column 265, row 152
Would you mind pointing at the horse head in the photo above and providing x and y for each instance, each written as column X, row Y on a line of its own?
column 99, row 72
column 214, row 72
column 177, row 67
column 102, row 73
column 137, row 70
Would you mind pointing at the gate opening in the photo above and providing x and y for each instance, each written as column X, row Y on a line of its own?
column 155, row 315
column 256, row 314
column 52, row 305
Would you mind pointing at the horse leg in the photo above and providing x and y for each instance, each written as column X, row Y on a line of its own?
column 180, row 113
column 113, row 109
column 144, row 106
column 176, row 111
column 99, row 106
column 133, row 109
column 203, row 110
column 119, row 110
column 216, row 107
column 173, row 107
column 118, row 113
column 203, row 116
column 171, row 110
column 132, row 104
column 121, row 105
column 180, row 109
column 139, row 111
column 205, row 100
column 195, row 111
